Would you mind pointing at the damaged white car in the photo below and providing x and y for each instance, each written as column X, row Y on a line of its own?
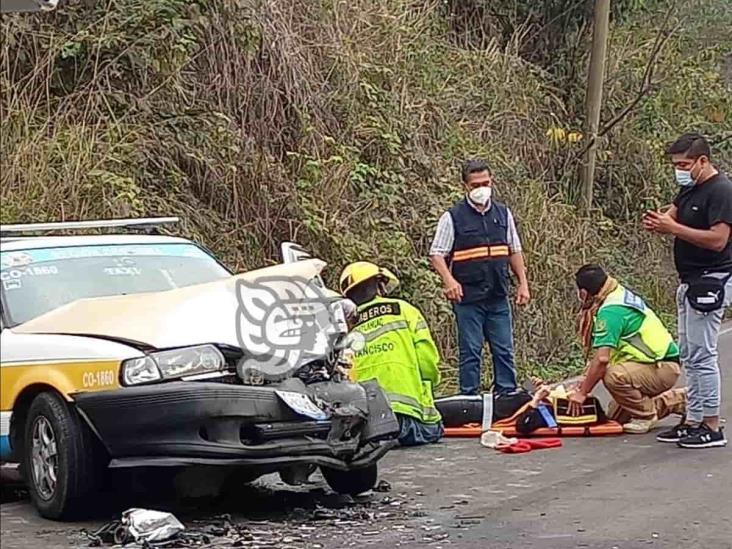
column 143, row 350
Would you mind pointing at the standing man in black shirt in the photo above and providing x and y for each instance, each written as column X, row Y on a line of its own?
column 700, row 220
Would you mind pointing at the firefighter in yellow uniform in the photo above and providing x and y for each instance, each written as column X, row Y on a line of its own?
column 394, row 346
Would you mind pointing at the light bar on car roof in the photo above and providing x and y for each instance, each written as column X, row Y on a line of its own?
column 143, row 224
column 19, row 6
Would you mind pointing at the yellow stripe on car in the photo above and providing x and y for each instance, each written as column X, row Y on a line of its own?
column 67, row 377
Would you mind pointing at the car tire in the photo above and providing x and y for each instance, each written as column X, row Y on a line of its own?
column 62, row 459
column 353, row 482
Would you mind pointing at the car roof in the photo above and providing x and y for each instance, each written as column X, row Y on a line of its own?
column 32, row 242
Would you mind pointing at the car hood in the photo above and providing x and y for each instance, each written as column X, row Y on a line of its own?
column 212, row 312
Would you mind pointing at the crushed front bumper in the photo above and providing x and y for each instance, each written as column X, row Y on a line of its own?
column 207, row 423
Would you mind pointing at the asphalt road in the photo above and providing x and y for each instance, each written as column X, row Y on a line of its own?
column 614, row 492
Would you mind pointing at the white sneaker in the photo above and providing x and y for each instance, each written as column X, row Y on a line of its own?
column 638, row 426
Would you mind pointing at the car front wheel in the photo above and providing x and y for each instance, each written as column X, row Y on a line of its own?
column 62, row 460
column 351, row 482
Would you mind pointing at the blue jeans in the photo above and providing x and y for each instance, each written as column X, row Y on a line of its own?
column 477, row 323
column 416, row 433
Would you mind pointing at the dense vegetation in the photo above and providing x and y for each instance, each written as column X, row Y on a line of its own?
column 341, row 124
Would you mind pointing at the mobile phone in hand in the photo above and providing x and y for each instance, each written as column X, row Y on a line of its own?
column 651, row 205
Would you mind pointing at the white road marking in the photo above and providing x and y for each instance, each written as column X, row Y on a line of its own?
column 725, row 332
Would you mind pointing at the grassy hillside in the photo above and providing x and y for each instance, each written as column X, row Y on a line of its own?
column 341, row 125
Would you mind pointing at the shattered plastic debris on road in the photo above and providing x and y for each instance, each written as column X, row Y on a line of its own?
column 345, row 521
column 382, row 486
column 147, row 525
column 141, row 526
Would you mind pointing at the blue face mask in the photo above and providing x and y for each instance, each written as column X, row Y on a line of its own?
column 683, row 178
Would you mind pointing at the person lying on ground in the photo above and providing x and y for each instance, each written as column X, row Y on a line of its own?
column 396, row 349
column 635, row 356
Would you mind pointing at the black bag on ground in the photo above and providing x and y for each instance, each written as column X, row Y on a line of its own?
column 460, row 410
column 706, row 293
column 533, row 418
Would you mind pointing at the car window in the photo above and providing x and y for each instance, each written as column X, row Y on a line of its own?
column 36, row 281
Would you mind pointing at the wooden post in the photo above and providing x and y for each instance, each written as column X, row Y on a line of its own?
column 595, row 79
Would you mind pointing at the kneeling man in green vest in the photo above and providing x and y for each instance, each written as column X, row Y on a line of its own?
column 393, row 345
column 634, row 354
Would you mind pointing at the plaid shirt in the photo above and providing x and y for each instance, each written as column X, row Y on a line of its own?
column 444, row 238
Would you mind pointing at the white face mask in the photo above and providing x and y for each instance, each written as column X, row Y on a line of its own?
column 480, row 195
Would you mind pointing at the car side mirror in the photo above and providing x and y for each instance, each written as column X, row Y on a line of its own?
column 292, row 252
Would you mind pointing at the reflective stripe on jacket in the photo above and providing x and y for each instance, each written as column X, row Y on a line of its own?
column 480, row 254
column 648, row 344
column 400, row 354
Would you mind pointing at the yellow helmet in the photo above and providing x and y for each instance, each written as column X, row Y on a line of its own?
column 356, row 273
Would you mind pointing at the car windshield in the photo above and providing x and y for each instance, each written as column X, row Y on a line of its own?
column 35, row 281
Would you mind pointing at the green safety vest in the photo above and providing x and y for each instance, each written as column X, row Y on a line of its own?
column 399, row 353
column 650, row 343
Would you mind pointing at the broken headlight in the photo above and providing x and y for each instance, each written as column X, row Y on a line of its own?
column 172, row 364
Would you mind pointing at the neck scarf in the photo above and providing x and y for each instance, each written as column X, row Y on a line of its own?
column 586, row 321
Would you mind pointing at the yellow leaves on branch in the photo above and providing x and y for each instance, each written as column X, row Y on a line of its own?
column 558, row 136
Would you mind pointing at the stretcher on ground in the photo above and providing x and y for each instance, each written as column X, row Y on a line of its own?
column 462, row 414
column 474, row 430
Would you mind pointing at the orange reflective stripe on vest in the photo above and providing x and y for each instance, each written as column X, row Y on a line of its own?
column 480, row 252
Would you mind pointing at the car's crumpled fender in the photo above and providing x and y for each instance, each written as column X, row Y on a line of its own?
column 217, row 420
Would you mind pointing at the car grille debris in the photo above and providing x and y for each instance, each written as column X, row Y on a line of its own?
column 325, row 520
column 382, row 486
